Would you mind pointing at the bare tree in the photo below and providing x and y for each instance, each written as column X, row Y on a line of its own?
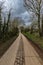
column 4, row 26
column 1, row 4
column 35, row 7
column 9, row 14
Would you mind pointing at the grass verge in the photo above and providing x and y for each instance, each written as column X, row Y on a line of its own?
column 35, row 38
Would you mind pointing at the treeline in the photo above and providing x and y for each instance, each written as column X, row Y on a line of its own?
column 6, row 29
column 35, row 6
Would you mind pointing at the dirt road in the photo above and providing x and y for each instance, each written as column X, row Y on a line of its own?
column 21, row 53
column 31, row 56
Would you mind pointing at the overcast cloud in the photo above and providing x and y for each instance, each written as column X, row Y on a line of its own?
column 18, row 9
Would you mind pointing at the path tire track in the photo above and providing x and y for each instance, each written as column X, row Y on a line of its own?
column 20, row 58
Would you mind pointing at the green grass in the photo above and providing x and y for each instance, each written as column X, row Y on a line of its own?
column 35, row 37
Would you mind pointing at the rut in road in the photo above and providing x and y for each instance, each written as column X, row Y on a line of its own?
column 20, row 58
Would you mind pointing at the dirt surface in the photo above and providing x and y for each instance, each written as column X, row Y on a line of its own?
column 21, row 52
column 31, row 56
column 5, row 46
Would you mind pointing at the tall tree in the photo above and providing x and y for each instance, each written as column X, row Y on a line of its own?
column 42, row 24
column 0, row 20
column 35, row 7
column 4, row 26
column 1, row 3
column 9, row 14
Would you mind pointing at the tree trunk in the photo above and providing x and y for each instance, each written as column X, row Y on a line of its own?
column 42, row 25
column 39, row 25
column 31, row 29
column 0, row 23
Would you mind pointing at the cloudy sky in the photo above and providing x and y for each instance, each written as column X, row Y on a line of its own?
column 18, row 9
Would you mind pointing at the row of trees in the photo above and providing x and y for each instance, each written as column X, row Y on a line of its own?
column 5, row 32
column 35, row 6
